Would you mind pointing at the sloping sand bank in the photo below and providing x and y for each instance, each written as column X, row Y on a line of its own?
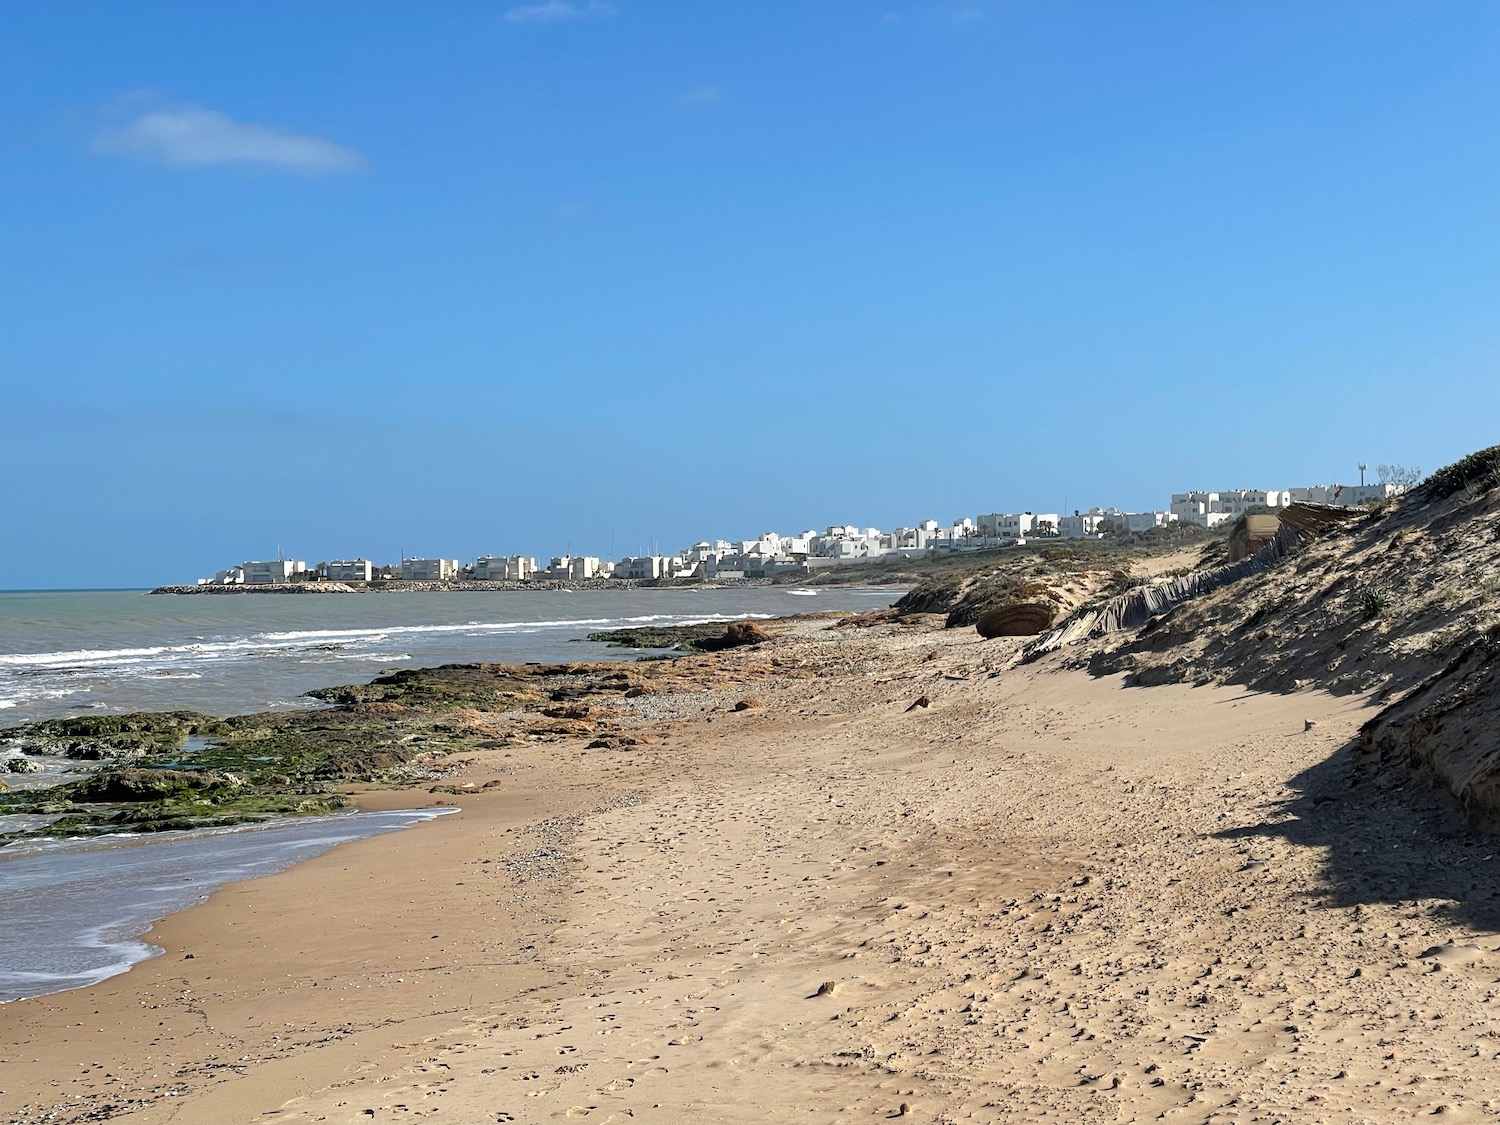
column 1042, row 897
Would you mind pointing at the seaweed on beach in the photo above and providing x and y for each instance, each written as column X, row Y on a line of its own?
column 179, row 769
column 172, row 770
column 485, row 687
column 98, row 737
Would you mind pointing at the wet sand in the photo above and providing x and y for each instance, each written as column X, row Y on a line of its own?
column 1043, row 897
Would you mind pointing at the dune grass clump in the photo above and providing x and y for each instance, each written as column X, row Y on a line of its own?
column 1373, row 601
column 1477, row 473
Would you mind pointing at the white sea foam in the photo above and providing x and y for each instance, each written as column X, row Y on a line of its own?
column 271, row 643
column 13, row 694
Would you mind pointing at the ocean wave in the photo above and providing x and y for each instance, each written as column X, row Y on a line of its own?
column 15, row 695
column 378, row 655
column 271, row 644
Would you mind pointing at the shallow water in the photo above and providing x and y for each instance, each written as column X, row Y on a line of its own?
column 74, row 911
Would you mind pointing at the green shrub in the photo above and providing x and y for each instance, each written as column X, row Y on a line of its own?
column 1373, row 601
column 1477, row 473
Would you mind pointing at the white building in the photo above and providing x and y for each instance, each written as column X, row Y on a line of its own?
column 340, row 570
column 1195, row 507
column 514, row 568
column 644, row 568
column 1344, row 495
column 1236, row 502
column 265, row 573
column 234, row 576
column 428, row 570
column 1370, row 493
column 1017, row 525
column 1209, row 509
column 1004, row 525
column 1082, row 525
column 847, row 543
column 1145, row 521
column 799, row 544
column 583, row 567
column 963, row 534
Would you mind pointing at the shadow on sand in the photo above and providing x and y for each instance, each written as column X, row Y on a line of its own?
column 1387, row 839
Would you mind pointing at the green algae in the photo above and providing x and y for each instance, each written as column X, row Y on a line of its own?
column 172, row 770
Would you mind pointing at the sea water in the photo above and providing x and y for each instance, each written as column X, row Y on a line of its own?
column 72, row 912
column 109, row 651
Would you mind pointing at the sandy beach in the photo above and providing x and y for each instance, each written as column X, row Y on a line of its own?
column 1044, row 896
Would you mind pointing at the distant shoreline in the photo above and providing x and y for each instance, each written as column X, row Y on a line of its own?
column 400, row 587
column 900, row 581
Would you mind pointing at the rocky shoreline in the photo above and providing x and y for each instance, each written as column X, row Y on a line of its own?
column 174, row 770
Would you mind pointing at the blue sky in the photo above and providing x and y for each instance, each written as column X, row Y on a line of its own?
column 459, row 278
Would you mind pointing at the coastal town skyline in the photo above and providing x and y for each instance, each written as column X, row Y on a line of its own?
column 772, row 554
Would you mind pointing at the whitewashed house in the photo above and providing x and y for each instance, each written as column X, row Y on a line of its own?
column 342, row 570
column 428, row 570
column 266, row 573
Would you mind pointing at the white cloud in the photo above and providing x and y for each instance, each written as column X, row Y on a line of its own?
column 549, row 10
column 698, row 95
column 191, row 135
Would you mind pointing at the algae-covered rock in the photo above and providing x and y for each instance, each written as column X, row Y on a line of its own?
column 363, row 764
column 144, row 785
column 101, row 737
